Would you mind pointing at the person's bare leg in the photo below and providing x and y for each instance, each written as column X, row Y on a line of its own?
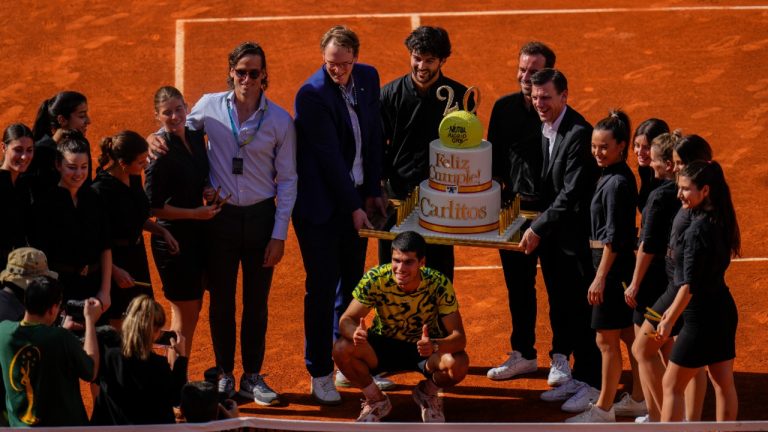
column 727, row 400
column 609, row 343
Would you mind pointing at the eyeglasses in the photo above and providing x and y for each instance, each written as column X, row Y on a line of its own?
column 252, row 74
column 344, row 65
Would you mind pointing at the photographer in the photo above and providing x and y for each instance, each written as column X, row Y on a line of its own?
column 137, row 385
column 42, row 364
column 24, row 265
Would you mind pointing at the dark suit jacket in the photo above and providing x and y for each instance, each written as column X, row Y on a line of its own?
column 325, row 145
column 567, row 185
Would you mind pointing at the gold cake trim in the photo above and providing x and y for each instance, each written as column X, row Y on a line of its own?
column 461, row 189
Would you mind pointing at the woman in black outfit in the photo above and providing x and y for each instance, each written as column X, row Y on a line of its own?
column 66, row 111
column 118, row 183
column 175, row 184
column 70, row 225
column 138, row 386
column 612, row 240
column 708, row 335
column 645, row 133
column 18, row 152
column 650, row 278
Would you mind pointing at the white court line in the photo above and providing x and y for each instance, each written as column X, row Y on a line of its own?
column 498, row 267
column 415, row 18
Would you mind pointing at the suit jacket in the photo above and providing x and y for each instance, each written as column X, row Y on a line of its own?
column 325, row 145
column 515, row 132
column 567, row 185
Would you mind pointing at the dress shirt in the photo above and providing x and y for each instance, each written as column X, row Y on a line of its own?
column 350, row 99
column 269, row 156
column 550, row 131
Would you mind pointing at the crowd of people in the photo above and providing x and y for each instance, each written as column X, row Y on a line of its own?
column 217, row 186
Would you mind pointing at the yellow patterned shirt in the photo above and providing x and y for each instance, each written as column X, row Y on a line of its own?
column 401, row 315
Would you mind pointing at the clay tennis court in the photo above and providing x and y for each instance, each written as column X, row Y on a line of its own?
column 700, row 65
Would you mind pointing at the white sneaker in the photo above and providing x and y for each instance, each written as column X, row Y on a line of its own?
column 563, row 392
column 628, row 407
column 581, row 400
column 515, row 365
column 643, row 419
column 381, row 382
column 593, row 414
column 373, row 411
column 324, row 391
column 431, row 405
column 559, row 371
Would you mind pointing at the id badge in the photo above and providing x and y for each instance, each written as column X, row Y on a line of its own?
column 237, row 165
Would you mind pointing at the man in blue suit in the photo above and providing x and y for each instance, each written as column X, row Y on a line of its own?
column 339, row 143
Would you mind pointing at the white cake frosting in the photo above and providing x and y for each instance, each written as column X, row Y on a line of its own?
column 459, row 213
column 462, row 170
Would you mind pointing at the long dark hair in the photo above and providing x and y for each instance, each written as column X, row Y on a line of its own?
column 124, row 146
column 15, row 131
column 692, row 148
column 718, row 205
column 64, row 104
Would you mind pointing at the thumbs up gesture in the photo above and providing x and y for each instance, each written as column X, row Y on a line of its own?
column 424, row 345
column 360, row 337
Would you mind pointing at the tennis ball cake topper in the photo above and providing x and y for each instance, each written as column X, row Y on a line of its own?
column 460, row 128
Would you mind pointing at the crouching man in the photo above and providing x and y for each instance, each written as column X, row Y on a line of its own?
column 416, row 327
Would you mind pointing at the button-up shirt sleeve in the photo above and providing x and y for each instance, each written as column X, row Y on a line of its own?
column 286, row 181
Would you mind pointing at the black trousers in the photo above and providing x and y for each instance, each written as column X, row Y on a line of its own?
column 334, row 260
column 567, row 277
column 520, row 277
column 238, row 236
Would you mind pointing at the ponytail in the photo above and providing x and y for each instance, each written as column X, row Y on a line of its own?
column 617, row 123
column 125, row 146
column 63, row 104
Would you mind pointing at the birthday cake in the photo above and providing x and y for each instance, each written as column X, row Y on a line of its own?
column 459, row 197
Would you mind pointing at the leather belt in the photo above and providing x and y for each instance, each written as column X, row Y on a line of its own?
column 596, row 244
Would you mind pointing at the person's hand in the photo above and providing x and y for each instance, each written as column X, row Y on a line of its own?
column 360, row 220
column 71, row 324
column 530, row 241
column 209, row 194
column 375, row 206
column 664, row 328
column 274, row 252
column 228, row 409
column 122, row 278
column 157, row 146
column 630, row 295
column 207, row 212
column 595, row 293
column 170, row 241
column 424, row 345
column 92, row 309
column 360, row 337
column 178, row 345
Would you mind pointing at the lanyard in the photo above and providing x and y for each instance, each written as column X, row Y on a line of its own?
column 235, row 130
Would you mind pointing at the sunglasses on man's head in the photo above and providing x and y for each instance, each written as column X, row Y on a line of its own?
column 253, row 73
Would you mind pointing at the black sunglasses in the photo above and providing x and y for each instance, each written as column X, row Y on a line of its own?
column 253, row 73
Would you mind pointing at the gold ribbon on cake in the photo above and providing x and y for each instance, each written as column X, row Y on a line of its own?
column 460, row 189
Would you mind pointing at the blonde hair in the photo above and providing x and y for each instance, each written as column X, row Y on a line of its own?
column 143, row 317
column 665, row 143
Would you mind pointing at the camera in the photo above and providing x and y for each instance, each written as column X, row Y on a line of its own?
column 165, row 338
column 75, row 310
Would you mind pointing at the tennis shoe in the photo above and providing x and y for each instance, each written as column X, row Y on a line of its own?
column 515, row 365
column 431, row 405
column 227, row 385
column 593, row 414
column 581, row 400
column 628, row 407
column 559, row 371
column 643, row 419
column 381, row 382
column 374, row 411
column 253, row 386
column 563, row 392
column 324, row 391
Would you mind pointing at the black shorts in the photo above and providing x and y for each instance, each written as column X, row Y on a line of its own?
column 613, row 313
column 395, row 355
